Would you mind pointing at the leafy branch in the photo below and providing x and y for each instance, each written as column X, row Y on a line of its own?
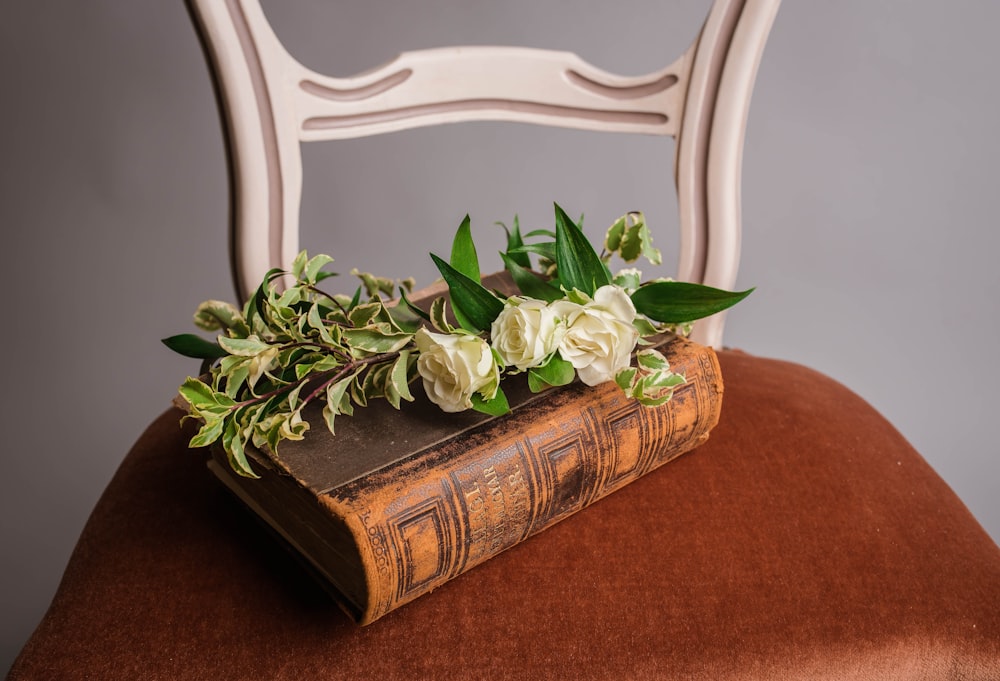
column 291, row 346
column 287, row 348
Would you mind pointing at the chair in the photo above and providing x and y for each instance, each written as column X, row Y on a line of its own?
column 805, row 539
column 273, row 104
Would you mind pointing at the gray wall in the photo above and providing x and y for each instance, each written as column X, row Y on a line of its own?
column 870, row 214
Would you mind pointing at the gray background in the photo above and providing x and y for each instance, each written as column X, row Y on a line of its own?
column 870, row 222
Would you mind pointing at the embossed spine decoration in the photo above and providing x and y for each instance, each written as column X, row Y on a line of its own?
column 397, row 532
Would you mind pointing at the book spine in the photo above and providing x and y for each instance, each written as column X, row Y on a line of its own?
column 434, row 515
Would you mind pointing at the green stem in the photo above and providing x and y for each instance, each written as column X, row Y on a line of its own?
column 325, row 378
column 332, row 349
column 268, row 395
column 348, row 368
column 323, row 293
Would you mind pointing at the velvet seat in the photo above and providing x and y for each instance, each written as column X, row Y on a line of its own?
column 805, row 540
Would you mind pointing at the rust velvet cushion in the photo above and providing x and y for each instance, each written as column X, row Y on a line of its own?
column 806, row 539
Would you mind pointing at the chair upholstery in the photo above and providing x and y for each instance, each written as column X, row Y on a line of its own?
column 805, row 540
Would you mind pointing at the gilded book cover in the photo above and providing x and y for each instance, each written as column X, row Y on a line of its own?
column 399, row 502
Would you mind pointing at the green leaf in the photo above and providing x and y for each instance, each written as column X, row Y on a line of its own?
column 644, row 327
column 651, row 400
column 225, row 369
column 346, row 406
column 577, row 263
column 293, row 397
column 651, row 254
column 652, row 360
column 655, row 390
column 286, row 426
column 498, row 406
column 213, row 315
column 251, row 415
column 208, row 433
column 652, row 382
column 403, row 318
column 270, row 429
column 667, row 380
column 529, row 283
column 244, row 347
column 330, row 415
column 439, row 315
column 317, row 322
column 255, row 307
column 625, row 379
column 514, row 242
column 362, row 315
column 557, row 371
column 334, row 393
column 313, row 267
column 541, row 232
column 628, row 279
column 327, row 363
column 412, row 307
column 232, row 444
column 536, row 384
column 613, row 237
column 236, row 377
column 630, row 237
column 299, row 264
column 370, row 339
column 474, row 305
column 391, row 395
column 374, row 381
column 633, row 239
column 289, row 297
column 463, row 251
column 675, row 302
column 190, row 345
column 374, row 285
column 200, row 396
column 546, row 249
column 399, row 377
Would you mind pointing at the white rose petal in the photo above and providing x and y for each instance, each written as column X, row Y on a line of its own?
column 615, row 300
column 454, row 367
column 525, row 333
column 599, row 337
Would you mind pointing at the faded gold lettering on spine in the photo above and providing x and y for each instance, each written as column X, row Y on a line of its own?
column 520, row 499
column 497, row 502
column 377, row 543
column 498, row 509
column 478, row 522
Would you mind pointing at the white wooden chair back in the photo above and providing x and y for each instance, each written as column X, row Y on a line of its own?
column 272, row 103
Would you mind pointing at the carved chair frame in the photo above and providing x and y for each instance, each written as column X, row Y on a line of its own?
column 272, row 104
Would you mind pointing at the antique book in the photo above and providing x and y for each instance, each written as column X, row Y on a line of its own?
column 399, row 502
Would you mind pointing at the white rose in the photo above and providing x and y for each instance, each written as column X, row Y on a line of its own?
column 454, row 367
column 599, row 337
column 525, row 333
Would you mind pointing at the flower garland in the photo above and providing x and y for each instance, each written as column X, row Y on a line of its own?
column 289, row 346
